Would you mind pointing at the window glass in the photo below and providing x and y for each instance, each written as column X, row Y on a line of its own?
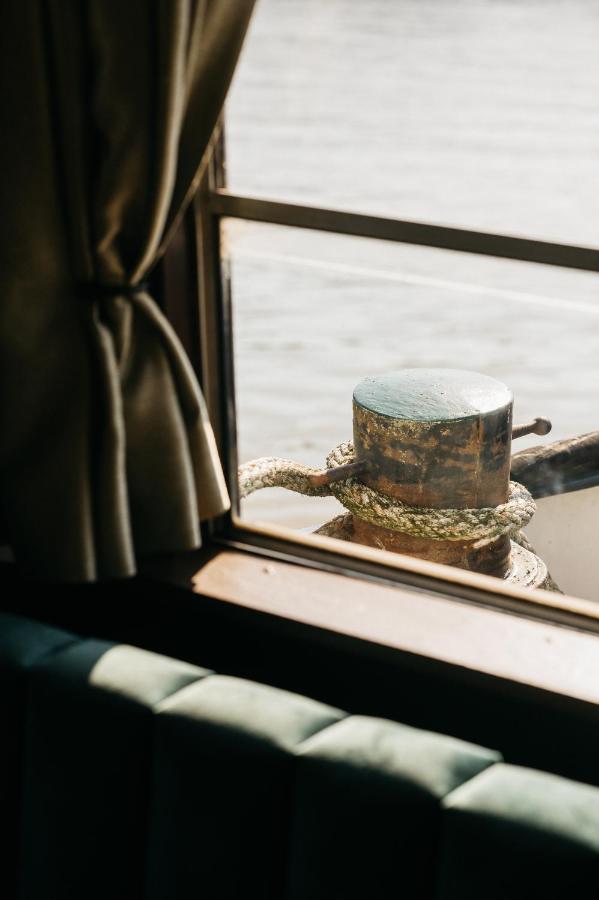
column 477, row 113
column 316, row 313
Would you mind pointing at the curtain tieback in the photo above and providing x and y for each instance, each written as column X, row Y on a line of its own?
column 97, row 290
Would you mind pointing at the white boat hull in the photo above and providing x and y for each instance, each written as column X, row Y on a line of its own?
column 565, row 534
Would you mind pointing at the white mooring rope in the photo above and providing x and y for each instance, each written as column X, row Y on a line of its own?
column 389, row 512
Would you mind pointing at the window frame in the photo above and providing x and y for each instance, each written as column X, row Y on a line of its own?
column 203, row 317
column 438, row 648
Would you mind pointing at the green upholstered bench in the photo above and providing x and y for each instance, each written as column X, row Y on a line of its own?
column 512, row 832
column 129, row 775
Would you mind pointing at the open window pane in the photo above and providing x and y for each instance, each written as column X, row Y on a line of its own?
column 314, row 314
column 465, row 112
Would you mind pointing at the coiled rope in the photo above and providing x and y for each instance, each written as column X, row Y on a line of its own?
column 389, row 512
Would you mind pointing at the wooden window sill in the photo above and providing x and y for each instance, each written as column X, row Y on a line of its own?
column 480, row 639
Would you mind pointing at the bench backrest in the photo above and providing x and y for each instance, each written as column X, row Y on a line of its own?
column 125, row 774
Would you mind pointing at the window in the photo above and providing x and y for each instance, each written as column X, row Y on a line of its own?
column 350, row 130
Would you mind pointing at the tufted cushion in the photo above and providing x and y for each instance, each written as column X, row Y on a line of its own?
column 223, row 787
column 148, row 777
column 367, row 808
column 88, row 768
column 516, row 834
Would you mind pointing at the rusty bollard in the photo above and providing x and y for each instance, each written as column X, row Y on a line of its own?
column 440, row 438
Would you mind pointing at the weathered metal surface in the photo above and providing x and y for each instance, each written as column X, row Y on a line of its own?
column 493, row 558
column 432, row 395
column 559, row 467
column 436, row 438
column 339, row 473
column 540, row 425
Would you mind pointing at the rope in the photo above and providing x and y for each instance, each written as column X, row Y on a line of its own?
column 270, row 471
column 549, row 585
column 389, row 512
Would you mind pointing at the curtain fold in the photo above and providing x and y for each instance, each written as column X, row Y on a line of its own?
column 106, row 450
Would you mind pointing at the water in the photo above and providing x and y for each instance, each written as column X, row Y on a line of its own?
column 480, row 114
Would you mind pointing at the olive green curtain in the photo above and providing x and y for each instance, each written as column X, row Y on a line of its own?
column 107, row 108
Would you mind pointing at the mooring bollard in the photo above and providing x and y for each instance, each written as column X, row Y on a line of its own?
column 441, row 439
column 428, row 444
column 437, row 438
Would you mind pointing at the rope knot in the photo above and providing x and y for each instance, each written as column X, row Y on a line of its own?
column 389, row 512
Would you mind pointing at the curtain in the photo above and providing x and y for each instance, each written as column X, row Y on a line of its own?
column 107, row 108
